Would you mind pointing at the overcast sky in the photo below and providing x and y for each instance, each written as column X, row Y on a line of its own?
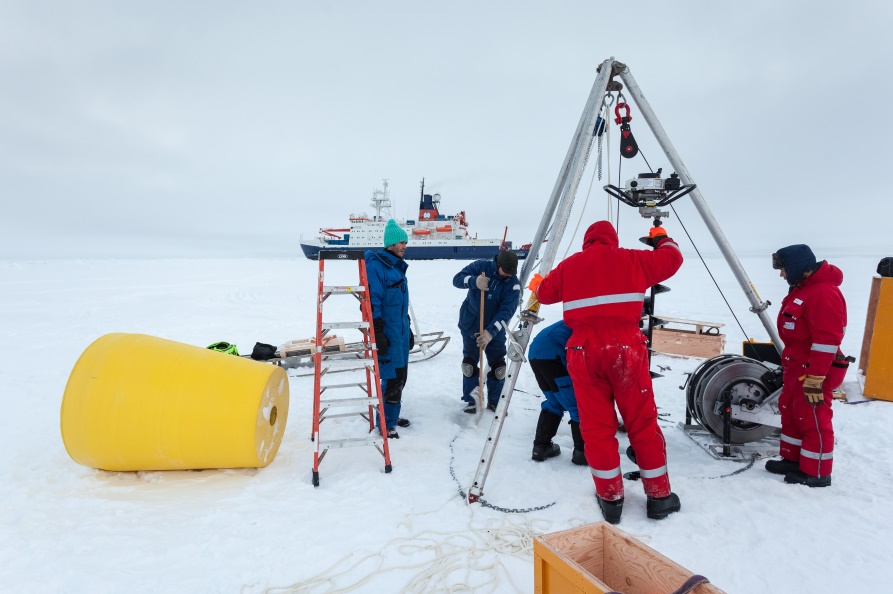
column 232, row 128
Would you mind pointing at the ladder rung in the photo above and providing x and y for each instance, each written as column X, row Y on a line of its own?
column 337, row 325
column 351, row 442
column 323, row 417
column 364, row 400
column 354, row 348
column 344, row 289
column 339, row 386
column 345, row 366
column 345, row 355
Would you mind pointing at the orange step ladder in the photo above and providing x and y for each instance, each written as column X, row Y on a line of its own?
column 325, row 360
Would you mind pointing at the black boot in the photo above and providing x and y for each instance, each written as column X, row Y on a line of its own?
column 579, row 455
column 546, row 428
column 611, row 510
column 782, row 466
column 798, row 477
column 659, row 508
column 540, row 453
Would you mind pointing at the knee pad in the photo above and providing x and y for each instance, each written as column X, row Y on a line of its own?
column 469, row 367
column 498, row 370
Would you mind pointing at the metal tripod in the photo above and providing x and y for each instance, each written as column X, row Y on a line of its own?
column 554, row 223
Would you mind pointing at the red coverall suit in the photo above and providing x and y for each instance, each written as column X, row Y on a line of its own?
column 603, row 289
column 811, row 323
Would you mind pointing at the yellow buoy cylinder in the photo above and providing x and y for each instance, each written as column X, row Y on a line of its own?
column 136, row 402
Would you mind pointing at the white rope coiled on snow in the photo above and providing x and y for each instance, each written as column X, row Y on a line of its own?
column 473, row 560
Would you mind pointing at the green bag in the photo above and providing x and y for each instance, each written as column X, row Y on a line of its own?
column 225, row 347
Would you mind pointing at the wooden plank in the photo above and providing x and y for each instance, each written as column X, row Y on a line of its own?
column 298, row 348
column 584, row 546
column 692, row 322
column 879, row 375
column 560, row 574
column 873, row 297
column 687, row 342
column 599, row 558
column 633, row 568
column 539, row 568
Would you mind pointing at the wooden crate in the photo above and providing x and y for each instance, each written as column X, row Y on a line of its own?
column 697, row 339
column 876, row 358
column 599, row 558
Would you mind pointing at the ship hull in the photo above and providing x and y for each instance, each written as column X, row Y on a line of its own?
column 432, row 252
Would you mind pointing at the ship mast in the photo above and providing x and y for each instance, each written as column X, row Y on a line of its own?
column 381, row 201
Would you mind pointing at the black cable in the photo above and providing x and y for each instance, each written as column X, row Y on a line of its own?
column 737, row 321
column 528, row 393
column 646, row 161
column 753, row 459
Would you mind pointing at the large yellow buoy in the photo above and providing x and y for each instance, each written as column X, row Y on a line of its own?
column 137, row 402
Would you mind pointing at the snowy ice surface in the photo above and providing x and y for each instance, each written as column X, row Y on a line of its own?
column 68, row 528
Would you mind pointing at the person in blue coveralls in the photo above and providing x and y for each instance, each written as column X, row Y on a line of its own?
column 548, row 360
column 389, row 294
column 497, row 279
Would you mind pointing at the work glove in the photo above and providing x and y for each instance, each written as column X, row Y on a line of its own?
column 655, row 236
column 483, row 339
column 482, row 282
column 381, row 339
column 812, row 389
column 535, row 282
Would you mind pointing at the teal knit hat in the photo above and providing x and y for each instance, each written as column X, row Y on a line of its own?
column 393, row 233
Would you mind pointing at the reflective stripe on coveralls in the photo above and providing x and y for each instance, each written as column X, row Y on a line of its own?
column 825, row 348
column 653, row 473
column 605, row 474
column 816, row 456
column 791, row 440
column 604, row 300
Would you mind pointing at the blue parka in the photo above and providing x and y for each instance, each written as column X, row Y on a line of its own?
column 500, row 302
column 551, row 342
column 549, row 345
column 389, row 294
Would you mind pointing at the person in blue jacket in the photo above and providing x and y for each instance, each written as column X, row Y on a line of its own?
column 548, row 360
column 389, row 294
column 502, row 291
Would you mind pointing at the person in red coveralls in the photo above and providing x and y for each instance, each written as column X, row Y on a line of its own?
column 811, row 323
column 603, row 289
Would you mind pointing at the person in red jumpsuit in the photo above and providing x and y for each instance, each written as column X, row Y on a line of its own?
column 603, row 289
column 811, row 323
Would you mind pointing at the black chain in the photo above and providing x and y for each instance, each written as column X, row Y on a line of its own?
column 481, row 500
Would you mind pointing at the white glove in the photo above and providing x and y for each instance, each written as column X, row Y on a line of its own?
column 482, row 282
column 483, row 339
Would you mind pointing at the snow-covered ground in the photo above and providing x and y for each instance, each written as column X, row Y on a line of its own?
column 67, row 528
